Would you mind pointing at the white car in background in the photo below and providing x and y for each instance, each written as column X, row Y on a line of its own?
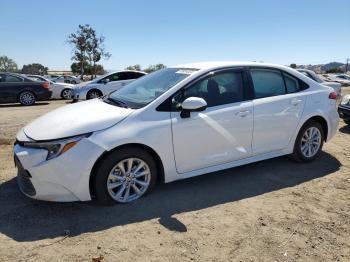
column 341, row 78
column 59, row 90
column 105, row 84
column 67, row 79
column 311, row 74
column 172, row 124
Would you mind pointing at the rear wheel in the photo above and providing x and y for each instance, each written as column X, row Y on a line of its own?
column 125, row 176
column 26, row 98
column 309, row 142
column 66, row 93
column 93, row 94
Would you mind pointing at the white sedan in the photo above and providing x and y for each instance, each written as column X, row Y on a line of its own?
column 342, row 79
column 105, row 84
column 59, row 90
column 172, row 124
column 66, row 79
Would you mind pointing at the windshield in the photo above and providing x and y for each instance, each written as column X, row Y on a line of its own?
column 146, row 89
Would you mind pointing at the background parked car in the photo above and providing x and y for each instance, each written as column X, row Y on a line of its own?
column 18, row 88
column 66, row 79
column 344, row 109
column 342, row 79
column 59, row 90
column 105, row 84
column 311, row 74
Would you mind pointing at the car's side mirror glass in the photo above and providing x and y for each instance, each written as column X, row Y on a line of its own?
column 192, row 104
column 105, row 81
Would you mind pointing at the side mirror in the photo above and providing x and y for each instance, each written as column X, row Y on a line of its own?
column 105, row 81
column 192, row 104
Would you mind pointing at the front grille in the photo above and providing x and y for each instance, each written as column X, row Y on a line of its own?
column 23, row 179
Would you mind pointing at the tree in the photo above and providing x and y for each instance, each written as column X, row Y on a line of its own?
column 7, row 64
column 153, row 68
column 95, row 48
column 34, row 69
column 88, row 48
column 293, row 66
column 75, row 67
column 79, row 42
column 134, row 67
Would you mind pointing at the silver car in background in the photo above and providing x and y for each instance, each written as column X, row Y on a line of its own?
column 311, row 74
column 105, row 84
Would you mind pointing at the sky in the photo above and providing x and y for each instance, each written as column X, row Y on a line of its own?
column 178, row 31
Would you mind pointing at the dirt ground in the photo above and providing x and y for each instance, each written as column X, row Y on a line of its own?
column 274, row 210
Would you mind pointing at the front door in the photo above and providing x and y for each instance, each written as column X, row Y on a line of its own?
column 220, row 134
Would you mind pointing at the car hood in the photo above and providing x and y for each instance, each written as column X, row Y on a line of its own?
column 83, row 84
column 75, row 119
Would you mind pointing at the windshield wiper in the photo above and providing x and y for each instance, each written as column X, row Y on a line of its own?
column 117, row 102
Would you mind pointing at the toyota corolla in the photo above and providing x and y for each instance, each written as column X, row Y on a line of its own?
column 175, row 123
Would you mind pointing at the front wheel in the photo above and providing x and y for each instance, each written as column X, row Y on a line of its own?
column 66, row 93
column 26, row 98
column 124, row 176
column 309, row 142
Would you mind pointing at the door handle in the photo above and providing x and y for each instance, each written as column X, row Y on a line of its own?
column 296, row 101
column 243, row 113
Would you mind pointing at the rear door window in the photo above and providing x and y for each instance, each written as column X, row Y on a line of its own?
column 267, row 82
column 292, row 84
column 13, row 79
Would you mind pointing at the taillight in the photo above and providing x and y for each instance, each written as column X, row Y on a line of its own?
column 332, row 95
column 45, row 85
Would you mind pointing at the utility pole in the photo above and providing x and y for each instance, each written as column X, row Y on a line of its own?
column 347, row 65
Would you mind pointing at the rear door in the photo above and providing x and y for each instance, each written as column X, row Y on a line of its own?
column 278, row 106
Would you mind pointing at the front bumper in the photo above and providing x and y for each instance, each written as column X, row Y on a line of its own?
column 344, row 112
column 62, row 179
column 78, row 94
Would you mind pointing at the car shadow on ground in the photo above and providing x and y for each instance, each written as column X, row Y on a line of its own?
column 23, row 219
column 345, row 129
column 19, row 105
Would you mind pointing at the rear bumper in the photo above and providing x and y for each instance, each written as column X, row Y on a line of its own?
column 344, row 112
column 44, row 96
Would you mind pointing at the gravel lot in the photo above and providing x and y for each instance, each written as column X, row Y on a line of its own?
column 274, row 210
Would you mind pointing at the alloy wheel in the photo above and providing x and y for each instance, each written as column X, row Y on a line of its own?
column 311, row 142
column 128, row 180
column 27, row 98
column 67, row 94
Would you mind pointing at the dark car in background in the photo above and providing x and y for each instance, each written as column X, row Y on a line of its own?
column 344, row 109
column 18, row 88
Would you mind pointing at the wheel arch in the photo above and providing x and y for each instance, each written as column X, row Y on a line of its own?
column 93, row 89
column 153, row 153
column 323, row 122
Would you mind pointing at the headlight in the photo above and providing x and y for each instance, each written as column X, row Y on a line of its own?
column 345, row 100
column 56, row 148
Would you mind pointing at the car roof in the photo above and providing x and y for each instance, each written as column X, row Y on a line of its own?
column 219, row 64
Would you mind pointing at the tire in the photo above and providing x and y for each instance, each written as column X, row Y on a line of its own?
column 66, row 94
column 347, row 122
column 307, row 148
column 26, row 98
column 111, row 183
column 93, row 94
